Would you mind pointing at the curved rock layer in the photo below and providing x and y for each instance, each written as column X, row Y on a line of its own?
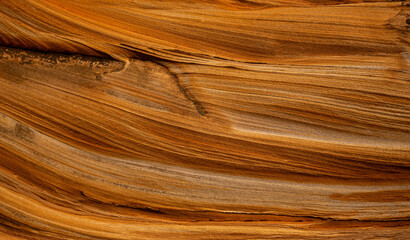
column 199, row 119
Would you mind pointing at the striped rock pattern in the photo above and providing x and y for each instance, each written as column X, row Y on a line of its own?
column 198, row 119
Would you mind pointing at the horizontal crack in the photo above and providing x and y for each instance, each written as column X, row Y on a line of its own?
column 311, row 217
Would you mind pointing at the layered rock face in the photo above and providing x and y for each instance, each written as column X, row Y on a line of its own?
column 197, row 119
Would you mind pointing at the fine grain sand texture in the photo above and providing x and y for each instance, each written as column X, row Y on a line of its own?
column 204, row 119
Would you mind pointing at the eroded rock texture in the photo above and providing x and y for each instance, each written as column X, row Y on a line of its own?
column 198, row 119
